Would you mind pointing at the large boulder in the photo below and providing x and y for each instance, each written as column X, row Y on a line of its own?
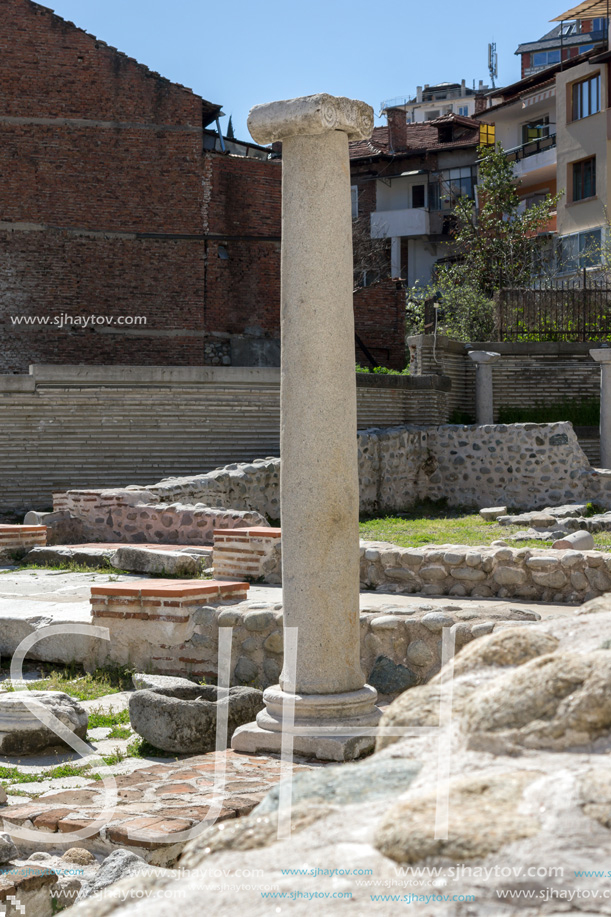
column 8, row 851
column 182, row 719
column 159, row 562
column 117, row 866
column 559, row 702
column 22, row 733
column 407, row 833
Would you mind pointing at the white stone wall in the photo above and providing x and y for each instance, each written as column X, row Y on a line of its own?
column 137, row 516
column 501, row 572
column 523, row 466
column 400, row 646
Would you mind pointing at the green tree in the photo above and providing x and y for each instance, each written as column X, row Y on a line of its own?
column 496, row 243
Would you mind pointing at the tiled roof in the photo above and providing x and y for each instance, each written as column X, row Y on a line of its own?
column 422, row 137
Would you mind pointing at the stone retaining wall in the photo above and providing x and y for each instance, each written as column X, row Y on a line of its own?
column 136, row 516
column 400, row 646
column 524, row 466
column 456, row 570
column 76, row 427
column 544, row 372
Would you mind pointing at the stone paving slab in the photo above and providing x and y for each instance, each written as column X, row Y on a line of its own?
column 155, row 802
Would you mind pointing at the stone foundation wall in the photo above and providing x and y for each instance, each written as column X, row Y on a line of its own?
column 136, row 516
column 400, row 647
column 455, row 570
column 523, row 466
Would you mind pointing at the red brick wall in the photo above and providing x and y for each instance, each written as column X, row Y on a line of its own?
column 379, row 313
column 53, row 273
column 242, row 216
column 109, row 207
column 105, row 150
column 525, row 63
column 52, row 69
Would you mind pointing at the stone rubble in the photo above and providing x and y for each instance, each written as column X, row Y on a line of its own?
column 534, row 793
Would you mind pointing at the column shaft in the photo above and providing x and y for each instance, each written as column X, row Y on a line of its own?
column 319, row 476
column 484, row 406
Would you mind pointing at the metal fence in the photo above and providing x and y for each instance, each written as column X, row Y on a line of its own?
column 578, row 309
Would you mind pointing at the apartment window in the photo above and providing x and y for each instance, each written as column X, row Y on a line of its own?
column 545, row 58
column 584, row 48
column 534, row 130
column 463, row 110
column 431, row 115
column 584, row 179
column 579, row 250
column 450, row 185
column 586, row 97
column 599, row 24
column 355, row 201
column 418, row 196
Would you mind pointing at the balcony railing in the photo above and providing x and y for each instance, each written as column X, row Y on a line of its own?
column 531, row 148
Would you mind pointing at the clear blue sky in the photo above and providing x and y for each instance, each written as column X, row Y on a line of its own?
column 243, row 52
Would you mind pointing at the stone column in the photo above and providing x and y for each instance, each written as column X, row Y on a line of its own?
column 484, row 402
column 603, row 356
column 319, row 488
column 395, row 256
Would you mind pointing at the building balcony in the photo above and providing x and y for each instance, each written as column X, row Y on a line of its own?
column 386, row 224
column 535, row 156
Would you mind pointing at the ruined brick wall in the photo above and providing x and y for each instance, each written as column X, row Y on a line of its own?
column 100, row 200
column 109, row 208
column 242, row 217
column 379, row 315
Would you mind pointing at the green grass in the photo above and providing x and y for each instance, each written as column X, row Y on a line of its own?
column 74, row 681
column 435, row 523
column 70, row 566
column 98, row 719
column 140, row 748
column 11, row 775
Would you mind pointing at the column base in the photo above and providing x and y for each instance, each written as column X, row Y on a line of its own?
column 330, row 727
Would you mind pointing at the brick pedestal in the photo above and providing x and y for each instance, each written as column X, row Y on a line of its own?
column 245, row 553
column 152, row 622
column 22, row 537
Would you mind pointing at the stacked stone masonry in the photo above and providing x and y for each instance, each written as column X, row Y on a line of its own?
column 16, row 539
column 502, row 572
column 251, row 554
column 136, row 516
column 60, row 425
column 400, row 646
column 525, row 466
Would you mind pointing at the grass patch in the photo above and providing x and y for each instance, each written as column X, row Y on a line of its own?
column 115, row 757
column 71, row 566
column 10, row 775
column 107, row 720
column 140, row 748
column 436, row 523
column 581, row 413
column 462, row 418
column 120, row 732
column 83, row 686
